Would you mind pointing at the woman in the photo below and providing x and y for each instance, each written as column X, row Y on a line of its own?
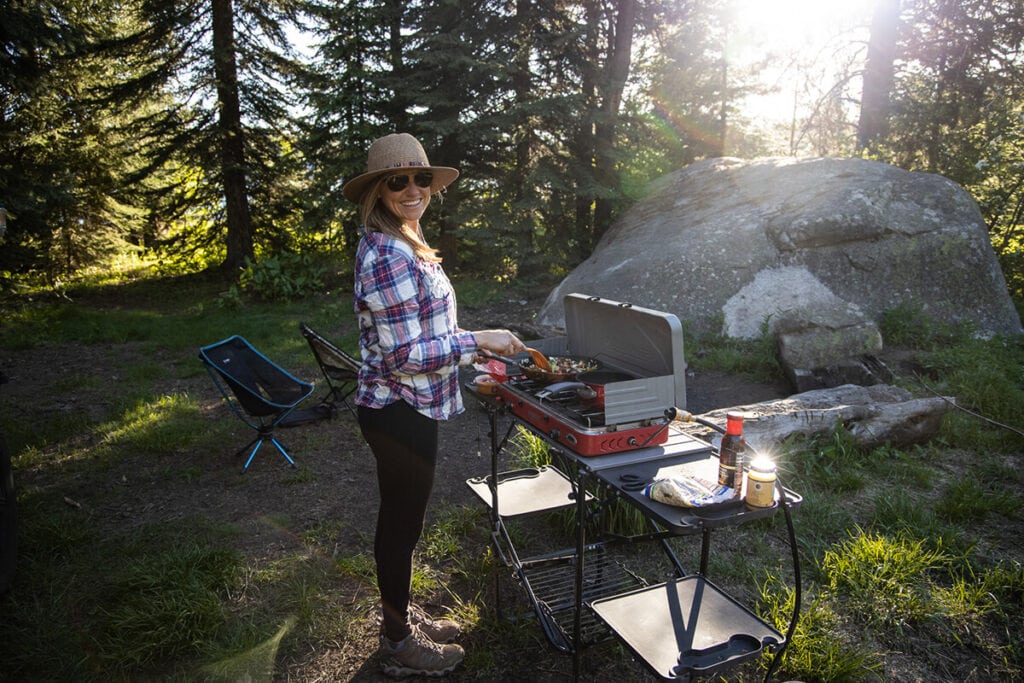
column 411, row 348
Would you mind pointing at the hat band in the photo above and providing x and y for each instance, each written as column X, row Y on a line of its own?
column 400, row 164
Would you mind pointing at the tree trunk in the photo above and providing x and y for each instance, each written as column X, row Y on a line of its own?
column 398, row 108
column 617, row 71
column 874, row 416
column 232, row 138
column 583, row 151
column 878, row 76
column 523, row 130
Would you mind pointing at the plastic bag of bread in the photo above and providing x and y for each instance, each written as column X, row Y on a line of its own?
column 688, row 492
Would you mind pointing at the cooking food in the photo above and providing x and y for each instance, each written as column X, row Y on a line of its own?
column 563, row 368
column 571, row 364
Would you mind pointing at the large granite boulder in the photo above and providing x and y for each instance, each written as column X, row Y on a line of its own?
column 735, row 246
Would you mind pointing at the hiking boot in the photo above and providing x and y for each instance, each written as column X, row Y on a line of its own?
column 418, row 655
column 438, row 630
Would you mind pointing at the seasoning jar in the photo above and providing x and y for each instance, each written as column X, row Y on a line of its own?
column 761, row 473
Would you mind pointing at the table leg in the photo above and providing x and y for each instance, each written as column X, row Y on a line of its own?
column 667, row 549
column 497, row 526
column 492, row 419
column 581, row 509
column 705, row 550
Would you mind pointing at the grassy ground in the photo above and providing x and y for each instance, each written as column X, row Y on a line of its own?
column 911, row 559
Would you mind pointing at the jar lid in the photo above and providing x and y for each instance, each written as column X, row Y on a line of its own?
column 762, row 465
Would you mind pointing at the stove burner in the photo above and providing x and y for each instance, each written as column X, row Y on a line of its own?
column 565, row 401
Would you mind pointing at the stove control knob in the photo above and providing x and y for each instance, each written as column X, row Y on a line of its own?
column 632, row 441
column 553, row 434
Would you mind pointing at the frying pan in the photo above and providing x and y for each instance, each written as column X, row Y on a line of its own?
column 547, row 376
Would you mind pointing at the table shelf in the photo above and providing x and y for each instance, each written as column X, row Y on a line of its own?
column 686, row 627
column 526, row 491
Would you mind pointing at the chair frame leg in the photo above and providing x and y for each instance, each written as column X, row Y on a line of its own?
column 280, row 448
column 259, row 443
column 342, row 394
column 264, row 435
column 249, row 445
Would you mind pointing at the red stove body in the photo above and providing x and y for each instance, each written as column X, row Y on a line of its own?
column 644, row 344
column 562, row 418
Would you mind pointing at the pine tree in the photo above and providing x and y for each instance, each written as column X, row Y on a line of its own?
column 228, row 69
column 61, row 186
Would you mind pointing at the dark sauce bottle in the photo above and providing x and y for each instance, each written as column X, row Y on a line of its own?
column 731, row 453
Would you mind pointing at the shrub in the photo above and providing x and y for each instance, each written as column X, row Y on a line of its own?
column 285, row 277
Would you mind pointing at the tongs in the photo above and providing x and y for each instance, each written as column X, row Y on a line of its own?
column 504, row 359
column 539, row 359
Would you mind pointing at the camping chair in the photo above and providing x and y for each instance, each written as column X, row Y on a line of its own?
column 260, row 393
column 340, row 369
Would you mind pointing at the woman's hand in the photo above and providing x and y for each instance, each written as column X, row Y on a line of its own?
column 501, row 342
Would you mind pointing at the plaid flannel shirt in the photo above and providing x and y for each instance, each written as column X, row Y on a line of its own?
column 408, row 335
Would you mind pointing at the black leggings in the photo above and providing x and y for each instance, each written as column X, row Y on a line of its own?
column 404, row 442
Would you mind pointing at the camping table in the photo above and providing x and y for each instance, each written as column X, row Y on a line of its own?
column 679, row 628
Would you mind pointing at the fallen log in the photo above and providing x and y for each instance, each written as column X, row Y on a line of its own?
column 874, row 416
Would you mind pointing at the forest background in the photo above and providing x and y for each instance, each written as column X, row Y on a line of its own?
column 215, row 134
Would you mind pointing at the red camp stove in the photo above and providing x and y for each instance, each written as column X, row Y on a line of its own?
column 563, row 417
column 643, row 344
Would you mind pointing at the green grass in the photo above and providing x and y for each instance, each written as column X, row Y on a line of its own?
column 970, row 500
column 816, row 650
column 175, row 600
column 902, row 543
column 986, row 376
column 526, row 449
column 902, row 549
column 909, row 326
column 886, row 578
column 754, row 359
column 111, row 604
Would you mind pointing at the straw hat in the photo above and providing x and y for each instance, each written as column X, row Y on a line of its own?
column 391, row 153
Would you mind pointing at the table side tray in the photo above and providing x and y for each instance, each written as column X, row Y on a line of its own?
column 683, row 520
column 686, row 626
column 526, row 491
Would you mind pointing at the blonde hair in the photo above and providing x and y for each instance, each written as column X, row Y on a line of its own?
column 375, row 216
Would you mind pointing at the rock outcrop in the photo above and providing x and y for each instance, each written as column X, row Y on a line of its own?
column 739, row 246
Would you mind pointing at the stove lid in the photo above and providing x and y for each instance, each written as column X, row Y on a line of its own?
column 639, row 340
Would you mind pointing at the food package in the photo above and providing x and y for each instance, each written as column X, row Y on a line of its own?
column 494, row 368
column 688, row 492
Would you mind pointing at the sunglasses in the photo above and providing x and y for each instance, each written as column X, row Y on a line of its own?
column 397, row 183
